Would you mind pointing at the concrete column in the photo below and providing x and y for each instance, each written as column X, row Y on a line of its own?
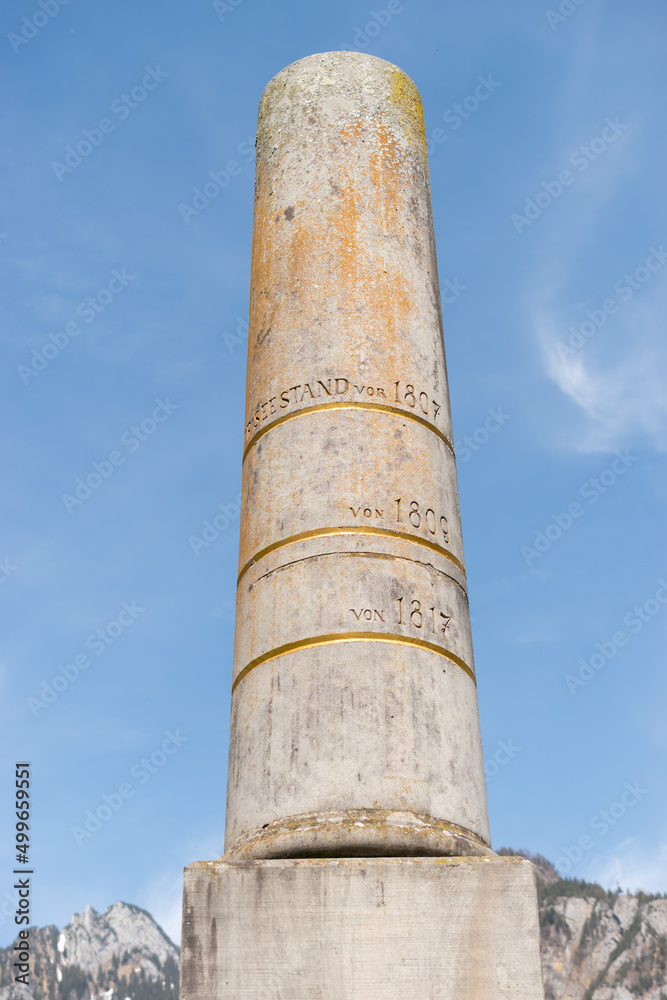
column 354, row 724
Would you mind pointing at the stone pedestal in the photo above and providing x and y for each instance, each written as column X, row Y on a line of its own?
column 361, row 929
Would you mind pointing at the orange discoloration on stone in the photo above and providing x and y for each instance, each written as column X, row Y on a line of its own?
column 384, row 167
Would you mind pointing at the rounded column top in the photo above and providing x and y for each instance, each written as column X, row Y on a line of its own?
column 347, row 85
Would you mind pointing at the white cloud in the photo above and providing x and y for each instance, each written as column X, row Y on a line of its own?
column 618, row 402
column 163, row 899
column 617, row 378
column 639, row 867
column 162, row 895
column 615, row 371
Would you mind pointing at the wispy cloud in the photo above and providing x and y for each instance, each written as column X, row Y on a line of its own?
column 616, row 376
column 162, row 895
column 619, row 386
column 639, row 866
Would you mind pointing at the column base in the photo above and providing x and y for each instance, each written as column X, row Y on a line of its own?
column 358, row 833
column 361, row 929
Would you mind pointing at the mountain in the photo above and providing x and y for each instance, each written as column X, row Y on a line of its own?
column 599, row 945
column 120, row 954
column 596, row 945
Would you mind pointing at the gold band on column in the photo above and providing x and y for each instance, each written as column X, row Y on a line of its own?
column 336, row 637
column 351, row 530
column 322, row 407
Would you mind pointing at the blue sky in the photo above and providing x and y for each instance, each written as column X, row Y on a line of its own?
column 124, row 357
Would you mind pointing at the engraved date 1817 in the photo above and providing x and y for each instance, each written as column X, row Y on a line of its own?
column 415, row 614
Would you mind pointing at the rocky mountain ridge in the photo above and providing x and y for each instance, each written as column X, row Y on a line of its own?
column 122, row 953
column 599, row 945
column 596, row 945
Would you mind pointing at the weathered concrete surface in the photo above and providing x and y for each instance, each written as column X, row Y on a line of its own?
column 361, row 929
column 354, row 723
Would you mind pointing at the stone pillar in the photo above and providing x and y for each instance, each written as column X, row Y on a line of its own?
column 354, row 708
column 357, row 853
